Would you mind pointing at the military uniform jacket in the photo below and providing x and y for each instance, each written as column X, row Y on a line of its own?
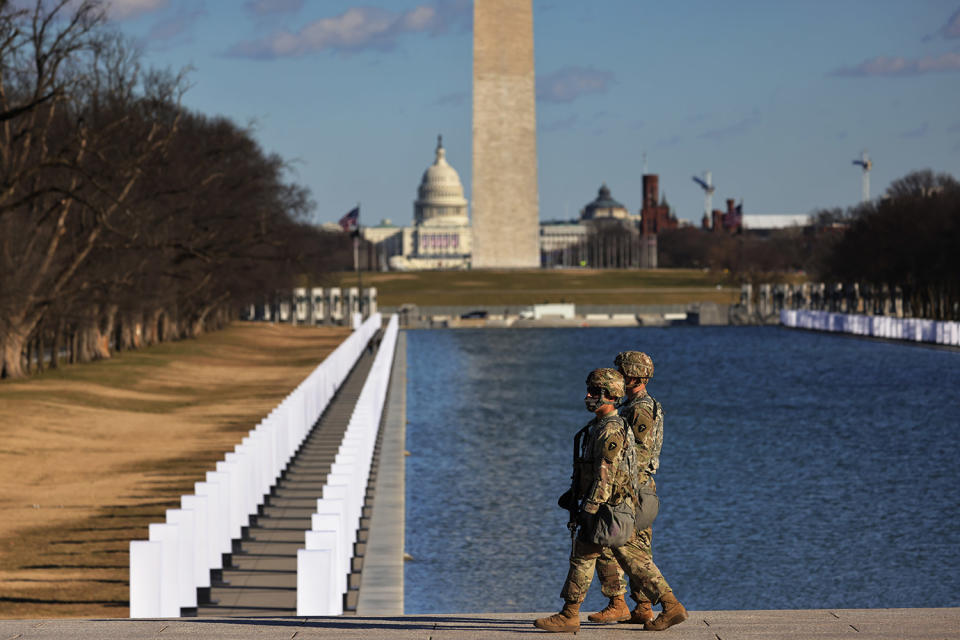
column 644, row 415
column 600, row 459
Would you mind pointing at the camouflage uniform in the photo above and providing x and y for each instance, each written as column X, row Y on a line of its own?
column 601, row 476
column 642, row 415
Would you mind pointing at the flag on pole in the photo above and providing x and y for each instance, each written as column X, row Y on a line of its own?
column 351, row 221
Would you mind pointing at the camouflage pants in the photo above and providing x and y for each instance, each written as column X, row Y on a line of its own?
column 636, row 557
column 611, row 575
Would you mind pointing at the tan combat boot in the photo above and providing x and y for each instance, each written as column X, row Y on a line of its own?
column 567, row 621
column 642, row 613
column 613, row 613
column 673, row 613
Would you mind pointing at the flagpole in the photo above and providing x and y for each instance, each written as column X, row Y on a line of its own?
column 356, row 262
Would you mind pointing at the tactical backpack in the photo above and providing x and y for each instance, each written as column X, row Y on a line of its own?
column 615, row 522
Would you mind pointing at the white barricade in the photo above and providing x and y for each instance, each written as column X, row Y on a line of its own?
column 344, row 492
column 166, row 571
column 316, row 594
column 145, row 566
column 914, row 329
column 166, row 535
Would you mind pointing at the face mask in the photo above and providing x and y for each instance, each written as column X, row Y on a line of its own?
column 592, row 403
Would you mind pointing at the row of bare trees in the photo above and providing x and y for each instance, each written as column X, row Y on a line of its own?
column 126, row 219
column 907, row 239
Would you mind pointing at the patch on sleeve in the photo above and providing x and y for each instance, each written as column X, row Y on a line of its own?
column 611, row 446
column 643, row 418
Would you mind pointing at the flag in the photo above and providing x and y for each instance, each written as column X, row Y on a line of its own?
column 351, row 221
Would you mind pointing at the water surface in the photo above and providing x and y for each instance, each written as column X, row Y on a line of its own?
column 799, row 470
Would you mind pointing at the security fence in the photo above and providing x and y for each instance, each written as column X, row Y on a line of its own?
column 167, row 570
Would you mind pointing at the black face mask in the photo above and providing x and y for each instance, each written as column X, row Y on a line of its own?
column 592, row 403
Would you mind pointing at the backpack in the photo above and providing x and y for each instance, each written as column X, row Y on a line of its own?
column 614, row 524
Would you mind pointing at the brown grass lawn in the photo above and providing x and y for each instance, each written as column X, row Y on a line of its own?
column 529, row 286
column 92, row 454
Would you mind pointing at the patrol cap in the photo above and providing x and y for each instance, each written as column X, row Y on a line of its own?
column 609, row 380
column 635, row 364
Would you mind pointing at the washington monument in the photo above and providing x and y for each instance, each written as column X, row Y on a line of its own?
column 504, row 187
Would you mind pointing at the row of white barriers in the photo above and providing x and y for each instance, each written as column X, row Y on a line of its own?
column 167, row 569
column 323, row 565
column 916, row 329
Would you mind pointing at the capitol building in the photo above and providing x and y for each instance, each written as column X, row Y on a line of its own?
column 440, row 235
column 606, row 234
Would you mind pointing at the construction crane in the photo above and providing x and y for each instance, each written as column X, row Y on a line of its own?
column 867, row 164
column 706, row 183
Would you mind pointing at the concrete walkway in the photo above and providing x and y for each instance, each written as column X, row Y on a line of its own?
column 823, row 624
column 381, row 581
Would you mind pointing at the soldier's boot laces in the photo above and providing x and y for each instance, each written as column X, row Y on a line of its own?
column 567, row 621
column 673, row 613
column 616, row 611
column 642, row 613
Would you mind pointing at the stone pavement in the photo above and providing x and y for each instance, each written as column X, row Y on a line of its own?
column 381, row 579
column 819, row 624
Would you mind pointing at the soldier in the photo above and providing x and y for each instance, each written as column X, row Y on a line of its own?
column 644, row 416
column 603, row 478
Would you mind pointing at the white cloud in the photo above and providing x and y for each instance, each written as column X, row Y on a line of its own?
column 569, row 83
column 173, row 28
column 883, row 66
column 126, row 9
column 358, row 29
column 268, row 7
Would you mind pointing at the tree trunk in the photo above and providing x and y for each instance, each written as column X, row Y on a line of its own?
column 11, row 350
column 86, row 343
column 41, row 353
column 55, row 347
column 151, row 327
column 28, row 357
column 105, row 329
column 73, row 346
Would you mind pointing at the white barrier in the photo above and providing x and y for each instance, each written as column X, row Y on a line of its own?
column 166, row 572
column 334, row 525
column 914, row 329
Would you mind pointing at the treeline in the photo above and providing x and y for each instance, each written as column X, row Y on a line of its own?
column 126, row 219
column 908, row 239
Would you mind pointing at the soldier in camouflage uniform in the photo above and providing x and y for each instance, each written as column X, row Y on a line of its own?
column 603, row 478
column 644, row 415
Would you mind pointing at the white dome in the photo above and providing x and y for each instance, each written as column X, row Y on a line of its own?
column 440, row 198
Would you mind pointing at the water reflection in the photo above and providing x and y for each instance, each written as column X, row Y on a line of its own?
column 799, row 470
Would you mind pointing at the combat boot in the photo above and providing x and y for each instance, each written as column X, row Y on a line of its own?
column 613, row 613
column 642, row 613
column 673, row 613
column 567, row 621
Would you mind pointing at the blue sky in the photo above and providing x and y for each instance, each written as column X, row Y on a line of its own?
column 775, row 98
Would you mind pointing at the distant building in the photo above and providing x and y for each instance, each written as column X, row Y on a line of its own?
column 771, row 221
column 655, row 218
column 607, row 235
column 604, row 207
column 729, row 221
column 733, row 220
column 440, row 237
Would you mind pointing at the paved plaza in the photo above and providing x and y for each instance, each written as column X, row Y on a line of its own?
column 819, row 624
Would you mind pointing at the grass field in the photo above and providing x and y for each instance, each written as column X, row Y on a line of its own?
column 93, row 453
column 524, row 287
